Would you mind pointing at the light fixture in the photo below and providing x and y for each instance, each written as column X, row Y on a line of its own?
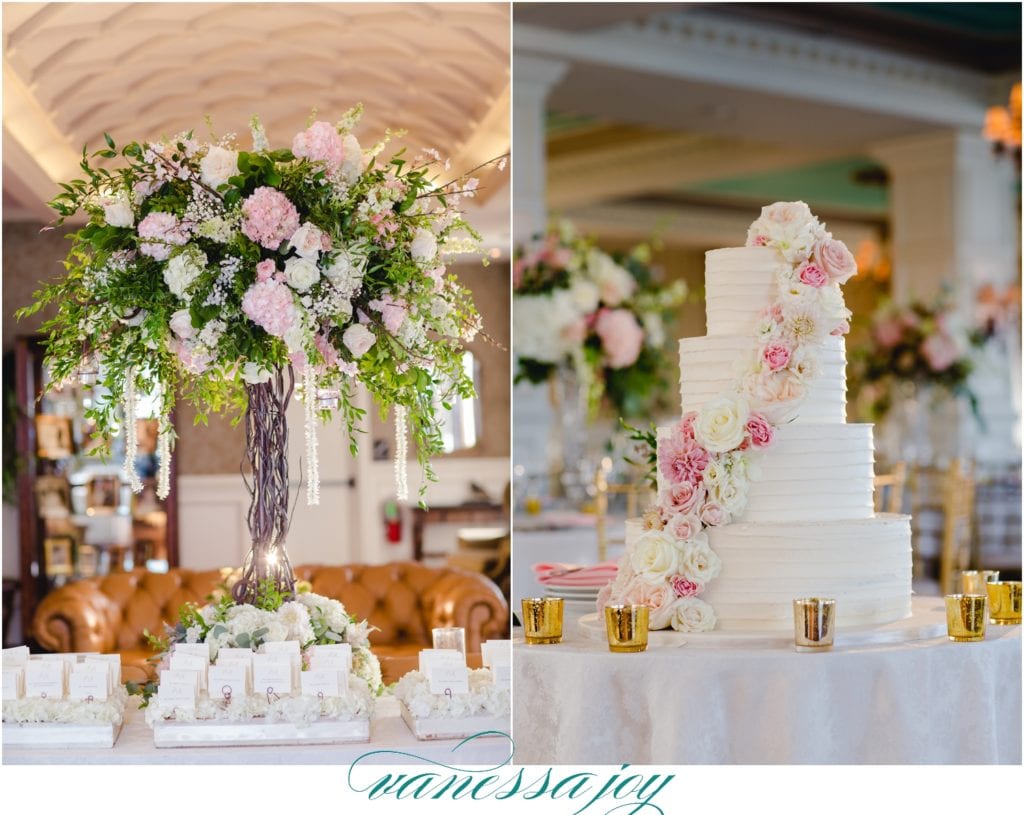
column 1002, row 125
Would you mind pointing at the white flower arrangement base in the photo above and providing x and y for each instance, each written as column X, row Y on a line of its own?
column 216, row 733
column 460, row 728
column 60, row 735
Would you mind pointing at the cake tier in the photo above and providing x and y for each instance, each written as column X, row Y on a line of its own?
column 865, row 566
column 739, row 283
column 812, row 472
column 709, row 365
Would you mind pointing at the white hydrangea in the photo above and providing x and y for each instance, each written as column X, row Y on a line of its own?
column 182, row 270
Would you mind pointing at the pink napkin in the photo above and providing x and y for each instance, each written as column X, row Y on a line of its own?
column 570, row 574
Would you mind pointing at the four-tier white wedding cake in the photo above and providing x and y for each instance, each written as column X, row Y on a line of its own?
column 784, row 508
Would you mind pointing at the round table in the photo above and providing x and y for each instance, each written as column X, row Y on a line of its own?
column 925, row 701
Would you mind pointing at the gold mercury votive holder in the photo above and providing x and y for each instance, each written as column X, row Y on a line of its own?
column 965, row 617
column 452, row 639
column 814, row 624
column 1004, row 602
column 974, row 582
column 542, row 619
column 627, row 628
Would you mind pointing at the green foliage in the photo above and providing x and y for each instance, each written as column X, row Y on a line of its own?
column 645, row 450
column 147, row 691
column 269, row 597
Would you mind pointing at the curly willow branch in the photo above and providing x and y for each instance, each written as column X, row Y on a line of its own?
column 266, row 446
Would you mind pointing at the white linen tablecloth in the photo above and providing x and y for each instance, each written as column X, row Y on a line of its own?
column 387, row 733
column 929, row 701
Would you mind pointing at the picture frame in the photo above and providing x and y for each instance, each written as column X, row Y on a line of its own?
column 53, row 496
column 54, row 437
column 103, row 494
column 58, row 556
column 88, row 560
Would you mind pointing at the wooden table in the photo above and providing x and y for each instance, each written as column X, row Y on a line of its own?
column 455, row 514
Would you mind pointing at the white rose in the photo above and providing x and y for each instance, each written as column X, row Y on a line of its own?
column 301, row 273
column 693, row 614
column 117, row 212
column 181, row 324
column 346, row 271
column 584, row 296
column 654, row 557
column 424, row 246
column 614, row 283
column 181, row 272
column 358, row 339
column 217, row 166
column 697, row 562
column 295, row 337
column 254, row 374
column 307, row 241
column 726, row 490
column 721, row 423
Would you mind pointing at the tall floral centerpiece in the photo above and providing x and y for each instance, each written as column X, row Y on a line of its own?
column 593, row 326
column 239, row 278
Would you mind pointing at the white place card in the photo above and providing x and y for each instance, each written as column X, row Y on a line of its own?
column 180, row 676
column 282, row 647
column 448, row 676
column 501, row 672
column 271, row 673
column 329, row 653
column 190, row 662
column 496, row 651
column 15, row 657
column 13, row 682
column 328, row 681
column 231, row 677
column 45, row 678
column 429, row 655
column 196, row 649
column 100, row 668
column 113, row 663
column 178, row 689
column 86, row 684
column 234, row 654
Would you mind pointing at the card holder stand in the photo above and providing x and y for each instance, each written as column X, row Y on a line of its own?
column 61, row 735
column 435, row 729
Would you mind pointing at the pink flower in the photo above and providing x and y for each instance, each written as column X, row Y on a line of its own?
column 888, row 332
column 684, row 497
column 684, row 526
column 392, row 312
column 269, row 304
column 776, row 355
column 940, row 351
column 713, row 514
column 320, row 142
column 841, row 329
column 164, row 231
column 265, row 269
column 760, row 429
column 194, row 361
column 575, row 332
column 621, row 336
column 835, row 260
column 760, row 240
column 437, row 275
column 682, row 460
column 683, row 587
column 327, row 351
column 812, row 275
column 686, row 424
column 269, row 217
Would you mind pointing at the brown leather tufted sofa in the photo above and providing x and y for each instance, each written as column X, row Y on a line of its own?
column 403, row 600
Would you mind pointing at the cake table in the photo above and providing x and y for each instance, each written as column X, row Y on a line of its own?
column 733, row 701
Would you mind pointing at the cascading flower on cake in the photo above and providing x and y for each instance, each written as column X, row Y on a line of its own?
column 705, row 462
column 602, row 316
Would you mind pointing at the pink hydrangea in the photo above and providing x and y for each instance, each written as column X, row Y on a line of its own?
column 683, row 587
column 776, row 355
column 682, row 460
column 265, row 269
column 940, row 351
column 621, row 336
column 163, row 231
column 193, row 359
column 269, row 217
column 811, row 274
column 320, row 142
column 760, row 430
column 269, row 304
column 392, row 312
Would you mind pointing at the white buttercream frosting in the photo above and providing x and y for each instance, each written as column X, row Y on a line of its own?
column 739, row 283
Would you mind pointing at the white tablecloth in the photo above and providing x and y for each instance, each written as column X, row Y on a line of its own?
column 930, row 701
column 387, row 733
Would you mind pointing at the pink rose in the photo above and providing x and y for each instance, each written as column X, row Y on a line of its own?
column 713, row 514
column 265, row 270
column 683, row 587
column 682, row 460
column 760, row 429
column 682, row 498
column 621, row 336
column 940, row 351
column 812, row 275
column 776, row 355
column 835, row 260
column 575, row 332
column 661, row 600
column 888, row 333
column 684, row 526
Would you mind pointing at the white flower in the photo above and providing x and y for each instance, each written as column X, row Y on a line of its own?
column 182, row 270
column 584, row 296
column 117, row 211
column 424, row 246
column 296, row 618
column 307, row 241
column 346, row 270
column 358, row 339
column 217, row 166
column 721, row 423
column 614, row 283
column 301, row 273
column 352, row 164
column 181, row 324
column 727, row 485
column 254, row 374
column 804, row 363
column 697, row 562
column 693, row 614
column 295, row 337
column 654, row 557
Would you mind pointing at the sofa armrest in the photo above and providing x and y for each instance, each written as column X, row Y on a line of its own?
column 470, row 601
column 76, row 617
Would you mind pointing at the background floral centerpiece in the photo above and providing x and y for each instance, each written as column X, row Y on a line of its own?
column 223, row 275
column 601, row 317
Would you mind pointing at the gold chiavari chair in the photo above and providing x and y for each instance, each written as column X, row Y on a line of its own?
column 889, row 489
column 635, row 496
column 958, row 547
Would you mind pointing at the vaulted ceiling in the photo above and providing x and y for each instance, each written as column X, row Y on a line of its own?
column 73, row 71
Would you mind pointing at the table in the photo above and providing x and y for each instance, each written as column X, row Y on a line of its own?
column 387, row 732
column 928, row 701
column 457, row 514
